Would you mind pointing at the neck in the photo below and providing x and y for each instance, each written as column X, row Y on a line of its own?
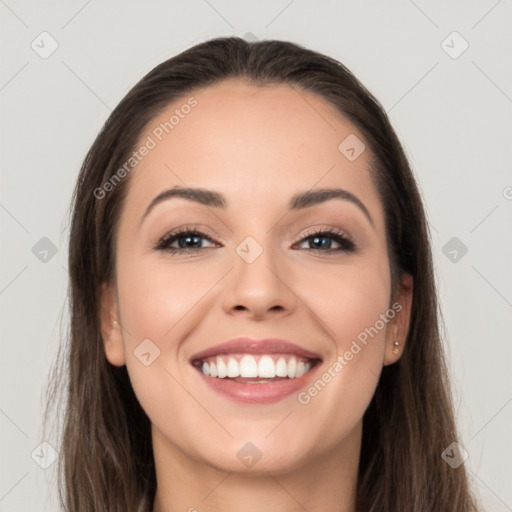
column 325, row 484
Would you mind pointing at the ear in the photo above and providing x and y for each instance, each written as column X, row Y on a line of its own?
column 111, row 326
column 398, row 327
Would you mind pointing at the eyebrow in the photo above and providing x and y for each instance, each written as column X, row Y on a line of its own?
column 299, row 201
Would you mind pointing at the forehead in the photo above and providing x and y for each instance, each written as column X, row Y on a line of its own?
column 252, row 142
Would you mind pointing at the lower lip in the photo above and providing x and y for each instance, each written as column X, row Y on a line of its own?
column 266, row 393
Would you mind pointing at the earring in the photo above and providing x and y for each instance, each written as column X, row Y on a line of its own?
column 396, row 344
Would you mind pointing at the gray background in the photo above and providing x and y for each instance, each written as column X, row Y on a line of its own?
column 452, row 113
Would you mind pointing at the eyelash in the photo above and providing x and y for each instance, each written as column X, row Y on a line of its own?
column 346, row 245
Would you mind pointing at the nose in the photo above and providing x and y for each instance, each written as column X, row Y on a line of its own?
column 260, row 289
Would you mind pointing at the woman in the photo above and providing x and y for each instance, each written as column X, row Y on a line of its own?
column 254, row 318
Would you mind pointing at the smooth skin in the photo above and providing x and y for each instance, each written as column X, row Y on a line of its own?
column 258, row 146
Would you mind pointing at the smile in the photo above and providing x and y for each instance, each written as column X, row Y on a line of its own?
column 254, row 371
column 264, row 367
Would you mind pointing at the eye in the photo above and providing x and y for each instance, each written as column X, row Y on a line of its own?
column 322, row 241
column 187, row 239
column 190, row 239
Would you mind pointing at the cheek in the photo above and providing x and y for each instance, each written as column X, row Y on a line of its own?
column 347, row 299
column 156, row 295
column 160, row 304
column 352, row 307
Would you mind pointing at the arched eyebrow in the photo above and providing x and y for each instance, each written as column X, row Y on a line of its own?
column 299, row 201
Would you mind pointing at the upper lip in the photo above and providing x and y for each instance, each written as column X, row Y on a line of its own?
column 254, row 346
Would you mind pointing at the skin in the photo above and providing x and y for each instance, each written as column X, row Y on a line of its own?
column 258, row 147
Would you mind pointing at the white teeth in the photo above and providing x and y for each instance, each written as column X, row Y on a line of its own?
column 301, row 369
column 292, row 367
column 249, row 367
column 221, row 368
column 266, row 368
column 233, row 368
column 281, row 368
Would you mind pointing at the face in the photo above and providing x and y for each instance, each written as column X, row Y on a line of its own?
column 245, row 279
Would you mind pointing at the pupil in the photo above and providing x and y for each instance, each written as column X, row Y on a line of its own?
column 327, row 241
column 185, row 239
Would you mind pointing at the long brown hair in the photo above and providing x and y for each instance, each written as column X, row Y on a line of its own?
column 106, row 460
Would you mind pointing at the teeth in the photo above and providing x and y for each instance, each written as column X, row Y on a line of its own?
column 301, row 369
column 221, row 368
column 292, row 368
column 281, row 368
column 248, row 367
column 233, row 368
column 266, row 367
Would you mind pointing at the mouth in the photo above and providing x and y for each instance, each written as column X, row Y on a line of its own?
column 255, row 371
